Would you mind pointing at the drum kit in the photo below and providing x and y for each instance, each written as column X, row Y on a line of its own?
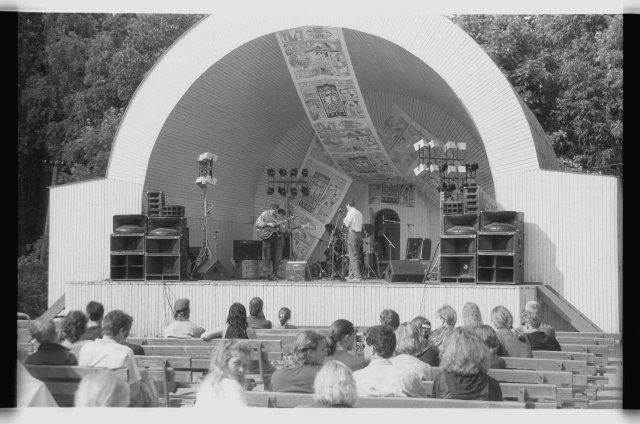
column 337, row 254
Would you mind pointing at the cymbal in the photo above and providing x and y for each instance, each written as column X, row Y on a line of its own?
column 330, row 228
column 369, row 229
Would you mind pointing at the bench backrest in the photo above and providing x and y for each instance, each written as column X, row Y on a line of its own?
column 568, row 356
column 520, row 391
column 586, row 340
column 157, row 341
column 597, row 350
column 559, row 378
column 615, row 336
column 579, row 367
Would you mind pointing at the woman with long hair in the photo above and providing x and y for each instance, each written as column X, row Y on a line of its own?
column 407, row 346
column 488, row 336
column 471, row 316
column 428, row 353
column 308, row 354
column 510, row 343
column 448, row 319
column 222, row 387
column 236, row 326
column 465, row 361
column 334, row 387
column 342, row 338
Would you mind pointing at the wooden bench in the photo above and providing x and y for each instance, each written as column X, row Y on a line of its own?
column 578, row 368
column 587, row 340
column 63, row 381
column 615, row 336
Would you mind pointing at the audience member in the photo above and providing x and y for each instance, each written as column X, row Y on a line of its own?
column 256, row 316
column 465, row 361
column 428, row 353
column 103, row 389
column 534, row 307
column 182, row 328
column 380, row 378
column 510, row 345
column 342, row 339
column 407, row 346
column 334, row 387
column 95, row 313
column 223, row 385
column 107, row 352
column 236, row 326
column 284, row 315
column 308, row 356
column 50, row 352
column 488, row 336
column 448, row 319
column 471, row 316
column 73, row 327
column 538, row 339
column 391, row 318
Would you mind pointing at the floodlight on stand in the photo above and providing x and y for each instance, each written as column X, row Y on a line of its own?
column 270, row 191
column 419, row 145
column 271, row 172
column 434, row 168
column 419, row 169
column 203, row 181
column 282, row 172
column 305, row 172
column 305, row 191
column 293, row 191
column 293, row 172
column 282, row 191
column 461, row 146
column 434, row 144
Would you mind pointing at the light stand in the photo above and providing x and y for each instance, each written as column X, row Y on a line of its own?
column 205, row 179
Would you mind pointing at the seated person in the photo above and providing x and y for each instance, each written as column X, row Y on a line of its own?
column 465, row 361
column 342, row 339
column 381, row 378
column 223, row 385
column 73, row 327
column 256, row 316
column 428, row 353
column 448, row 319
column 534, row 307
column 95, row 313
column 488, row 336
column 471, row 316
column 334, row 387
column 107, row 352
column 284, row 315
column 538, row 339
column 510, row 344
column 103, row 389
column 236, row 326
column 407, row 345
column 182, row 328
column 391, row 318
column 50, row 352
column 308, row 356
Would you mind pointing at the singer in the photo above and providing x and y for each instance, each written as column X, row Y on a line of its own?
column 353, row 221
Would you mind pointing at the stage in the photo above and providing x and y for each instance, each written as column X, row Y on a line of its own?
column 316, row 302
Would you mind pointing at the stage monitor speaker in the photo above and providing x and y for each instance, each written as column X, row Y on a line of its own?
column 297, row 271
column 212, row 270
column 407, row 271
column 418, row 248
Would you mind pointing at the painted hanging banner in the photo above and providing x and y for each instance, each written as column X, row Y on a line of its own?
column 321, row 70
column 400, row 194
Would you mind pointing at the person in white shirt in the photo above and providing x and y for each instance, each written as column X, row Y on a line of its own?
column 381, row 378
column 182, row 328
column 408, row 345
column 353, row 222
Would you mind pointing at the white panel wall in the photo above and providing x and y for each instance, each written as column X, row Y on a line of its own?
column 81, row 222
column 310, row 304
column 572, row 237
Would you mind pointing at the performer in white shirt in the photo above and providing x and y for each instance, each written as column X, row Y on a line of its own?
column 353, row 221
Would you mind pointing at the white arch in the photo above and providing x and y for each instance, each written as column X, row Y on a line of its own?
column 480, row 85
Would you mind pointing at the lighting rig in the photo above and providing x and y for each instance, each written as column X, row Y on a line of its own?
column 290, row 183
column 204, row 180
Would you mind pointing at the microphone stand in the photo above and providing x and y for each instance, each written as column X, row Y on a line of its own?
column 332, row 241
column 390, row 244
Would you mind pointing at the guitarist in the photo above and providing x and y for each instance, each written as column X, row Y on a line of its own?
column 272, row 246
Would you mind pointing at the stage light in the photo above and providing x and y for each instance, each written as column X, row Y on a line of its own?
column 271, row 172
column 293, row 191
column 270, row 191
column 419, row 145
column 282, row 191
column 293, row 172
column 305, row 172
column 474, row 167
column 282, row 172
column 203, row 181
column 464, row 185
column 419, row 169
column 305, row 191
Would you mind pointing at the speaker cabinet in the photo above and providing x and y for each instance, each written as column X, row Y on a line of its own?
column 407, row 271
column 462, row 244
column 247, row 250
column 418, row 248
column 297, row 271
column 500, row 268
column 212, row 270
column 465, row 223
column 501, row 221
column 458, row 268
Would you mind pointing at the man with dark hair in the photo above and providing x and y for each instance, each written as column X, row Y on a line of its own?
column 272, row 245
column 381, row 378
column 538, row 339
column 391, row 318
column 353, row 223
column 428, row 353
column 95, row 312
column 256, row 316
column 182, row 328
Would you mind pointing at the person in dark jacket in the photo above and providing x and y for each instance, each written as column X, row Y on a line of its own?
column 488, row 335
column 256, row 316
column 427, row 353
column 95, row 313
column 50, row 351
column 538, row 339
column 465, row 361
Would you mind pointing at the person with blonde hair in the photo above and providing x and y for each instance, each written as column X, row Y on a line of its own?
column 308, row 354
column 334, row 387
column 50, row 352
column 471, row 316
column 407, row 346
column 103, row 388
column 488, row 336
column 223, row 385
column 534, row 307
column 510, row 344
column 465, row 361
column 448, row 319
column 538, row 339
column 342, row 339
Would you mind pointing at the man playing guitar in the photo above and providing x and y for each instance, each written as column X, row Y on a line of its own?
column 273, row 244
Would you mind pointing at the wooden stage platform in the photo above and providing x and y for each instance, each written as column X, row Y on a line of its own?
column 316, row 302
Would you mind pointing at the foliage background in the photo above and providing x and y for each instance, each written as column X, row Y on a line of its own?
column 78, row 72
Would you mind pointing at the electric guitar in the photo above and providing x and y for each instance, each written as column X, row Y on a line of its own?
column 268, row 230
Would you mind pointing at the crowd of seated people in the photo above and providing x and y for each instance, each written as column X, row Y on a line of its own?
column 398, row 357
